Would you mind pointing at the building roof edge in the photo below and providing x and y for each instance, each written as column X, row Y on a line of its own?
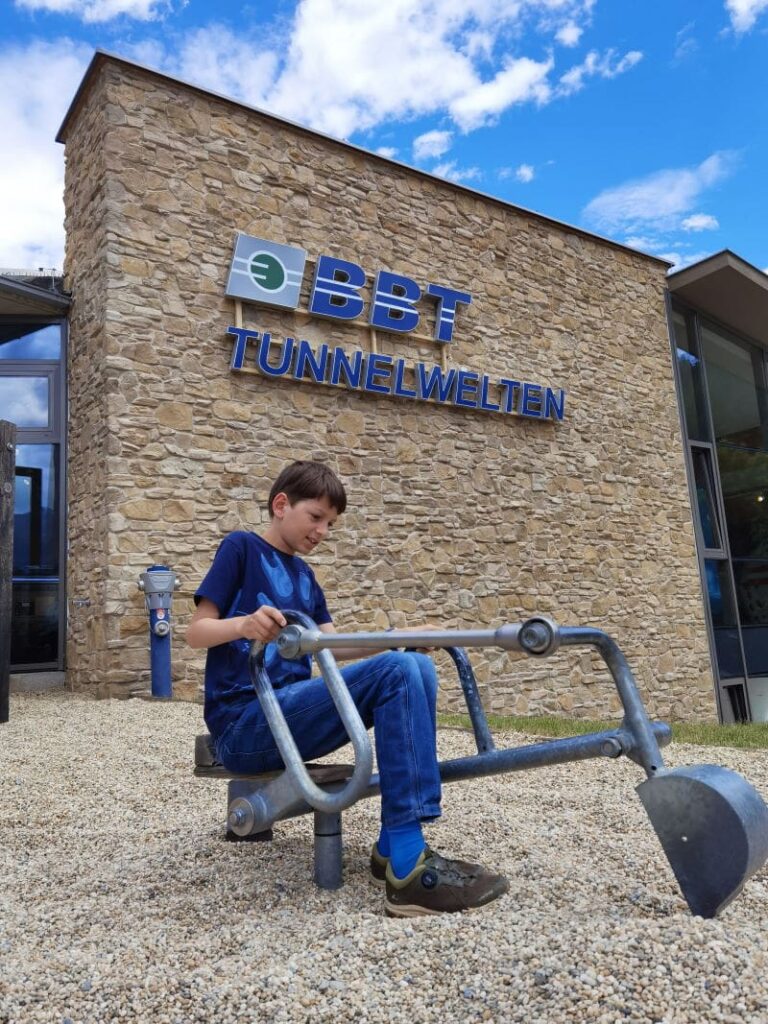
column 101, row 57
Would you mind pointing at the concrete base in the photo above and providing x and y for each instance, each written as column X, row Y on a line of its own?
column 36, row 682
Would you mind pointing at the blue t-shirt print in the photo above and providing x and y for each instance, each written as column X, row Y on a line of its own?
column 247, row 572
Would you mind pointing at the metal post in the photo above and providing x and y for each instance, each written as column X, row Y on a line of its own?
column 7, row 479
column 158, row 584
column 328, row 850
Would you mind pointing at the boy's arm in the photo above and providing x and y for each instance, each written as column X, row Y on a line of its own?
column 208, row 629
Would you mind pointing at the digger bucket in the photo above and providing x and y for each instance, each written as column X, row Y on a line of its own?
column 713, row 827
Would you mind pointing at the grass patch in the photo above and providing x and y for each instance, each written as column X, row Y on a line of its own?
column 754, row 735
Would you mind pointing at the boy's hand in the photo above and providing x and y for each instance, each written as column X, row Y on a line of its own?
column 427, row 626
column 264, row 624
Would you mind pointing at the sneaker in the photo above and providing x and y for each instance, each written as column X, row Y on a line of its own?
column 441, row 886
column 378, row 866
column 379, row 863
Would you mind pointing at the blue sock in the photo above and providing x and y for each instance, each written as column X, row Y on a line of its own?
column 382, row 843
column 405, row 843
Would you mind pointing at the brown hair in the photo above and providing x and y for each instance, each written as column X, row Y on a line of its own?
column 303, row 480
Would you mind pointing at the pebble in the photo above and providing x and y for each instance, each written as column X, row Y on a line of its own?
column 122, row 901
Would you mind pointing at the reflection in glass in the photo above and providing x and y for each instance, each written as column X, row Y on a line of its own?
column 18, row 341
column 25, row 401
column 744, row 481
column 691, row 383
column 723, row 610
column 34, row 637
column 752, row 591
column 752, row 594
column 705, row 497
column 36, row 511
column 736, row 389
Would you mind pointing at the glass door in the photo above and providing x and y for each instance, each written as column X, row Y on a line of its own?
column 31, row 396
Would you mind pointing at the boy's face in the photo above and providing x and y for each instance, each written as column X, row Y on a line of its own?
column 300, row 527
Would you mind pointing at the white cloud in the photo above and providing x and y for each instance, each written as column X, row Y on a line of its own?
column 37, row 83
column 217, row 59
column 700, row 222
column 401, row 60
column 525, row 173
column 408, row 58
column 680, row 260
column 451, row 172
column 744, row 13
column 660, row 199
column 522, row 80
column 569, row 34
column 431, row 144
column 604, row 66
column 388, row 151
column 685, row 44
column 642, row 242
column 99, row 10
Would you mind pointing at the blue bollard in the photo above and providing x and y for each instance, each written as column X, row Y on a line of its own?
column 158, row 584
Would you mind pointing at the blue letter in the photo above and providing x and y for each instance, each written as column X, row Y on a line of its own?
column 531, row 404
column 238, row 349
column 305, row 358
column 399, row 388
column 448, row 300
column 335, row 289
column 553, row 405
column 467, row 381
column 393, row 299
column 285, row 362
column 508, row 389
column 341, row 364
column 373, row 369
column 484, row 403
column 435, row 381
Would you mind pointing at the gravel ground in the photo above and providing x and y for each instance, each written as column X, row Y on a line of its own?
column 119, row 901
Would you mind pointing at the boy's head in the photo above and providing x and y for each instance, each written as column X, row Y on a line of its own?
column 302, row 481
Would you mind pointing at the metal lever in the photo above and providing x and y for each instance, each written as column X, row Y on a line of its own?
column 539, row 636
column 330, row 803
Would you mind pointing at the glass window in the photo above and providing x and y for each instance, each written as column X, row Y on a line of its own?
column 752, row 592
column 691, row 383
column 705, row 497
column 723, row 609
column 36, row 511
column 736, row 389
column 25, row 401
column 30, row 342
column 35, row 633
column 744, row 480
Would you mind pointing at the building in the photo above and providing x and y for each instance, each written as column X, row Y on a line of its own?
column 496, row 388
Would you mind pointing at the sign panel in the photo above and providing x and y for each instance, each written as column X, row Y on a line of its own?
column 272, row 274
column 266, row 272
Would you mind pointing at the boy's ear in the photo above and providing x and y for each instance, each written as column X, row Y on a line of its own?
column 280, row 503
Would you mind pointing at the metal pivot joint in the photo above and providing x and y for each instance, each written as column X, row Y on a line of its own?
column 157, row 584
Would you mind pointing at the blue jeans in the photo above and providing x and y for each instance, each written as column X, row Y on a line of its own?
column 396, row 693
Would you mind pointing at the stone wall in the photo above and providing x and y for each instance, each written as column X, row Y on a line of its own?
column 86, row 268
column 460, row 517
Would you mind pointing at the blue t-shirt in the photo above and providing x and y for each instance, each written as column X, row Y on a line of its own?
column 247, row 572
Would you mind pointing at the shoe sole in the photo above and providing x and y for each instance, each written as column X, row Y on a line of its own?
column 415, row 910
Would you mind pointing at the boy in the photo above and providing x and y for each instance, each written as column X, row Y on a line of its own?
column 253, row 577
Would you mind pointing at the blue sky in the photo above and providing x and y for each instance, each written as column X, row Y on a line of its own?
column 642, row 121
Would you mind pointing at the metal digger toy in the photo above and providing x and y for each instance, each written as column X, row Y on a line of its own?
column 712, row 824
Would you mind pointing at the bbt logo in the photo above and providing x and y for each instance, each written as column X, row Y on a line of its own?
column 267, row 272
column 272, row 274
